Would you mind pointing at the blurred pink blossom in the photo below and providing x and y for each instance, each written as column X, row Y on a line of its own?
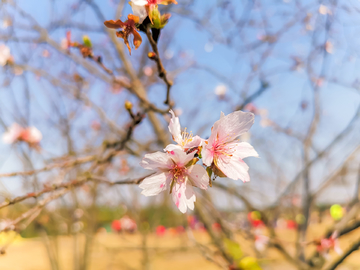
column 324, row 245
column 95, row 125
column 16, row 133
column 148, row 71
column 220, row 91
column 5, row 55
column 261, row 241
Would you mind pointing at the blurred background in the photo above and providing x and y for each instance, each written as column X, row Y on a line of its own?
column 71, row 201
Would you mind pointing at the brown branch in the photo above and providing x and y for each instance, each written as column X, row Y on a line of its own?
column 65, row 164
column 104, row 180
column 47, row 189
column 160, row 66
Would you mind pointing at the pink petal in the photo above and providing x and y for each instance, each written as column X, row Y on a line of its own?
column 179, row 198
column 199, row 176
column 234, row 168
column 184, row 196
column 207, row 155
column 157, row 160
column 171, row 147
column 154, row 184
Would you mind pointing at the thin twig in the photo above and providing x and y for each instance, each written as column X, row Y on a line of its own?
column 160, row 66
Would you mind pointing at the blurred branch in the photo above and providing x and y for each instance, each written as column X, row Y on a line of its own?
column 217, row 241
column 264, row 86
column 334, row 175
column 35, row 209
column 65, row 164
column 321, row 154
column 355, row 246
column 273, row 238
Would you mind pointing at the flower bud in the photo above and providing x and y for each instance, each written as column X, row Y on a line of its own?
column 152, row 55
column 128, row 105
column 87, row 41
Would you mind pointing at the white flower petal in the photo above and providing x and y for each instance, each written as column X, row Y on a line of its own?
column 4, row 54
column 337, row 248
column 12, row 134
column 179, row 198
column 199, row 176
column 231, row 126
column 155, row 184
column 157, row 160
column 172, row 147
column 139, row 2
column 175, row 128
column 234, row 168
column 33, row 135
column 139, row 10
column 190, row 196
column 180, row 157
column 244, row 150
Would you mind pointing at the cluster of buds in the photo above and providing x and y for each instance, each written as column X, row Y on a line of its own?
column 85, row 48
column 222, row 155
column 142, row 9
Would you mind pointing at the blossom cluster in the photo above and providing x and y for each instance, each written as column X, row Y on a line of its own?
column 142, row 9
column 15, row 133
column 222, row 155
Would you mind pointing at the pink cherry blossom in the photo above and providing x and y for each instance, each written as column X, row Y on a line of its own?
column 184, row 140
column 16, row 133
column 174, row 171
column 224, row 152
